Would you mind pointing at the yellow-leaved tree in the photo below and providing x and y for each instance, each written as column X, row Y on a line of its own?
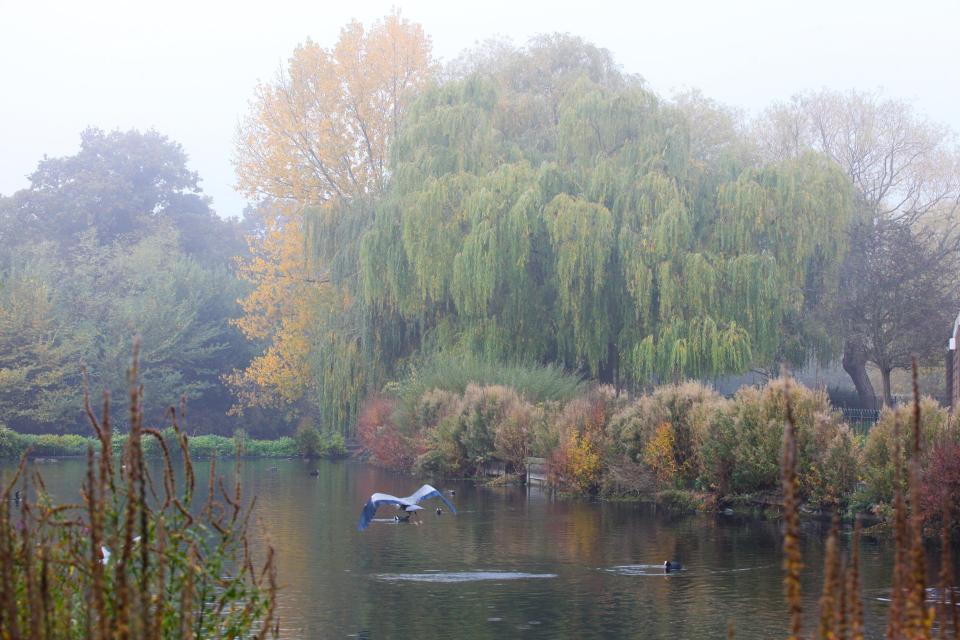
column 316, row 142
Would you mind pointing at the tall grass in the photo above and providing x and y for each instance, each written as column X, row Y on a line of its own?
column 139, row 556
column 453, row 372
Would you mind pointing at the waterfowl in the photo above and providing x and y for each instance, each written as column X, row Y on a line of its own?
column 408, row 504
column 315, row 472
column 669, row 566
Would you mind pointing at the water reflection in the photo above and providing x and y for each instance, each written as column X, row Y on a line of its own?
column 515, row 563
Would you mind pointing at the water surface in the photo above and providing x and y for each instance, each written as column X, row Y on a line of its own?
column 516, row 563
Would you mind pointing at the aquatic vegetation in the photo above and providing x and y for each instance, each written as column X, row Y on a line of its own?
column 140, row 556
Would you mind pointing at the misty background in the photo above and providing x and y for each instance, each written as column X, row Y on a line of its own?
column 188, row 69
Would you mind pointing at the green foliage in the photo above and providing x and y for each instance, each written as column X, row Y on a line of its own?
column 742, row 449
column 82, row 306
column 309, row 440
column 14, row 445
column 11, row 443
column 879, row 460
column 455, row 371
column 643, row 262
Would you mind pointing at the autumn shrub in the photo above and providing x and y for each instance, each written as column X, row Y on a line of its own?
column 688, row 408
column 658, row 455
column 878, row 469
column 482, row 409
column 513, row 435
column 576, row 464
column 941, row 482
column 742, row 449
column 381, row 436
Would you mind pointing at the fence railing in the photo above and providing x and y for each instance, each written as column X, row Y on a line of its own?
column 860, row 420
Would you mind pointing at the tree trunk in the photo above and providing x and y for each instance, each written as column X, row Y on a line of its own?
column 855, row 364
column 887, row 395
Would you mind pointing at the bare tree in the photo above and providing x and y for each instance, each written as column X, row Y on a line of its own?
column 903, row 247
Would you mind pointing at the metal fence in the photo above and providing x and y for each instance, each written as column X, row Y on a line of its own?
column 860, row 420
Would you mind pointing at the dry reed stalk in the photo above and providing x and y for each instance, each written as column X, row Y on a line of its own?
column 901, row 562
column 855, row 604
column 919, row 620
column 54, row 578
column 94, row 511
column 831, row 580
column 792, row 560
column 948, row 605
column 841, row 627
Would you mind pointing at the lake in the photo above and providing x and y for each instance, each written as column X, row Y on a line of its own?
column 517, row 563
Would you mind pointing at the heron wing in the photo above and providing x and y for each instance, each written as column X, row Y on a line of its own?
column 426, row 492
column 370, row 509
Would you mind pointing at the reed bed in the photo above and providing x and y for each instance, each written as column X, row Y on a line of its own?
column 138, row 557
column 911, row 615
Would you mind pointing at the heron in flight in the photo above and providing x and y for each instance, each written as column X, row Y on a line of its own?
column 410, row 504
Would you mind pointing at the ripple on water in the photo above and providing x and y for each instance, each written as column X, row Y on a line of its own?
column 462, row 576
column 639, row 570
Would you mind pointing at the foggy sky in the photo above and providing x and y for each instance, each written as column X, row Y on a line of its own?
column 188, row 68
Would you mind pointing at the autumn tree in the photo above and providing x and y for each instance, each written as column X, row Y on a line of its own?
column 906, row 173
column 315, row 149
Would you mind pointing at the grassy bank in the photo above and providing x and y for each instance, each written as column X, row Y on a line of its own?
column 682, row 443
column 13, row 445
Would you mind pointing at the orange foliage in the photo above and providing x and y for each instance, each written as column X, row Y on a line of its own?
column 658, row 454
column 576, row 464
column 318, row 136
column 282, row 309
column 380, row 435
column 321, row 131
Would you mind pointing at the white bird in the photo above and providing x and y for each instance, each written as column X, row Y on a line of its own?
column 408, row 504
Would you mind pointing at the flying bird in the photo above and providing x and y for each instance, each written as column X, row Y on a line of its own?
column 408, row 504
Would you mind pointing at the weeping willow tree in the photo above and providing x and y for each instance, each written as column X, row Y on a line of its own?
column 585, row 230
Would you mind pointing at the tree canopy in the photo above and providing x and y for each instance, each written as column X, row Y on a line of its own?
column 115, row 241
column 603, row 242
column 314, row 149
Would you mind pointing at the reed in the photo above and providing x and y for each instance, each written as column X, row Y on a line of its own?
column 134, row 559
column 792, row 559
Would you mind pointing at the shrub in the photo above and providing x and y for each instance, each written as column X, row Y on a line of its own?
column 513, row 437
column 744, row 444
column 334, row 445
column 309, row 441
column 879, row 468
column 658, row 455
column 688, row 408
column 454, row 372
column 379, row 433
column 12, row 444
column 576, row 465
column 941, row 482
